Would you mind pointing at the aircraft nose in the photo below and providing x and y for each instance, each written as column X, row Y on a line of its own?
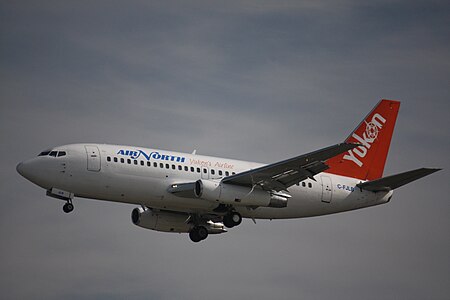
column 25, row 169
column 37, row 171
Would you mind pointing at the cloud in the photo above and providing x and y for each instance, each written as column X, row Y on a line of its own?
column 259, row 81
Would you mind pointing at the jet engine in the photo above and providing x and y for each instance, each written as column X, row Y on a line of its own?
column 169, row 221
column 231, row 194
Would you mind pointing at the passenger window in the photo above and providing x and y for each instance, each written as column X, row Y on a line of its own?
column 220, row 173
column 149, row 164
column 205, row 170
column 108, row 158
column 53, row 153
column 155, row 164
column 122, row 160
column 173, row 167
column 309, row 184
column 198, row 170
column 61, row 153
column 167, row 166
column 303, row 184
column 213, row 172
column 186, row 168
column 233, row 173
column 129, row 161
column 115, row 159
column 227, row 173
column 142, row 162
column 161, row 165
column 135, row 162
column 192, row 169
column 180, row 168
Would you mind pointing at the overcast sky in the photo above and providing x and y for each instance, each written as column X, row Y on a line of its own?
column 252, row 80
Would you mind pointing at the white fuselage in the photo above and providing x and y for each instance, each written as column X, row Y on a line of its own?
column 142, row 176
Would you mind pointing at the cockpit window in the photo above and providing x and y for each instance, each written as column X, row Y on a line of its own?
column 53, row 153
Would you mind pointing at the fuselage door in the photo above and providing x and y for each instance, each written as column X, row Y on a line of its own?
column 93, row 158
column 327, row 190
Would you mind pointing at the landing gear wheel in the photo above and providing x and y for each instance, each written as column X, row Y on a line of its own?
column 198, row 233
column 232, row 219
column 227, row 221
column 236, row 218
column 68, row 207
column 202, row 232
column 194, row 236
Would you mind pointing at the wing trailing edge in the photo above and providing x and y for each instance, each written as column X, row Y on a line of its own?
column 281, row 175
column 395, row 181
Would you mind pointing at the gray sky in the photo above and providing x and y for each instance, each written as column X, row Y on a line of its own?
column 252, row 80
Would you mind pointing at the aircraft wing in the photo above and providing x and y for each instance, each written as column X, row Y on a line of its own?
column 394, row 181
column 281, row 175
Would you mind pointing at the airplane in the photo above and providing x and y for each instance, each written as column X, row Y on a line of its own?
column 202, row 195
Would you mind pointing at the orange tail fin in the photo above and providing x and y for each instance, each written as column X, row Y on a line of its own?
column 374, row 133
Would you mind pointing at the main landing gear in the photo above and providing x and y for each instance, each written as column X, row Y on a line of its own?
column 68, row 207
column 198, row 233
column 232, row 219
column 201, row 229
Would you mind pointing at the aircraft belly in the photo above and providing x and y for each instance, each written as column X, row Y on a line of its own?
column 116, row 187
column 308, row 204
column 151, row 191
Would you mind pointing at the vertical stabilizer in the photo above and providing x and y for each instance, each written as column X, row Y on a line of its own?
column 374, row 133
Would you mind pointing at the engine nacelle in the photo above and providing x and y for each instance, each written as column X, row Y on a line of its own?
column 160, row 221
column 231, row 194
column 237, row 195
column 169, row 221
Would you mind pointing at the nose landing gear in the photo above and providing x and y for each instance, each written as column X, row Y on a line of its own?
column 62, row 195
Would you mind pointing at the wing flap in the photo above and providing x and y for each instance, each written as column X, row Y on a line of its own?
column 395, row 181
column 296, row 176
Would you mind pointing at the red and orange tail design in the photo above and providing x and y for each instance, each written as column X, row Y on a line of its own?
column 374, row 134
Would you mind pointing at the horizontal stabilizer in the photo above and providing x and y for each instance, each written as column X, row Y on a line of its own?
column 394, row 181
